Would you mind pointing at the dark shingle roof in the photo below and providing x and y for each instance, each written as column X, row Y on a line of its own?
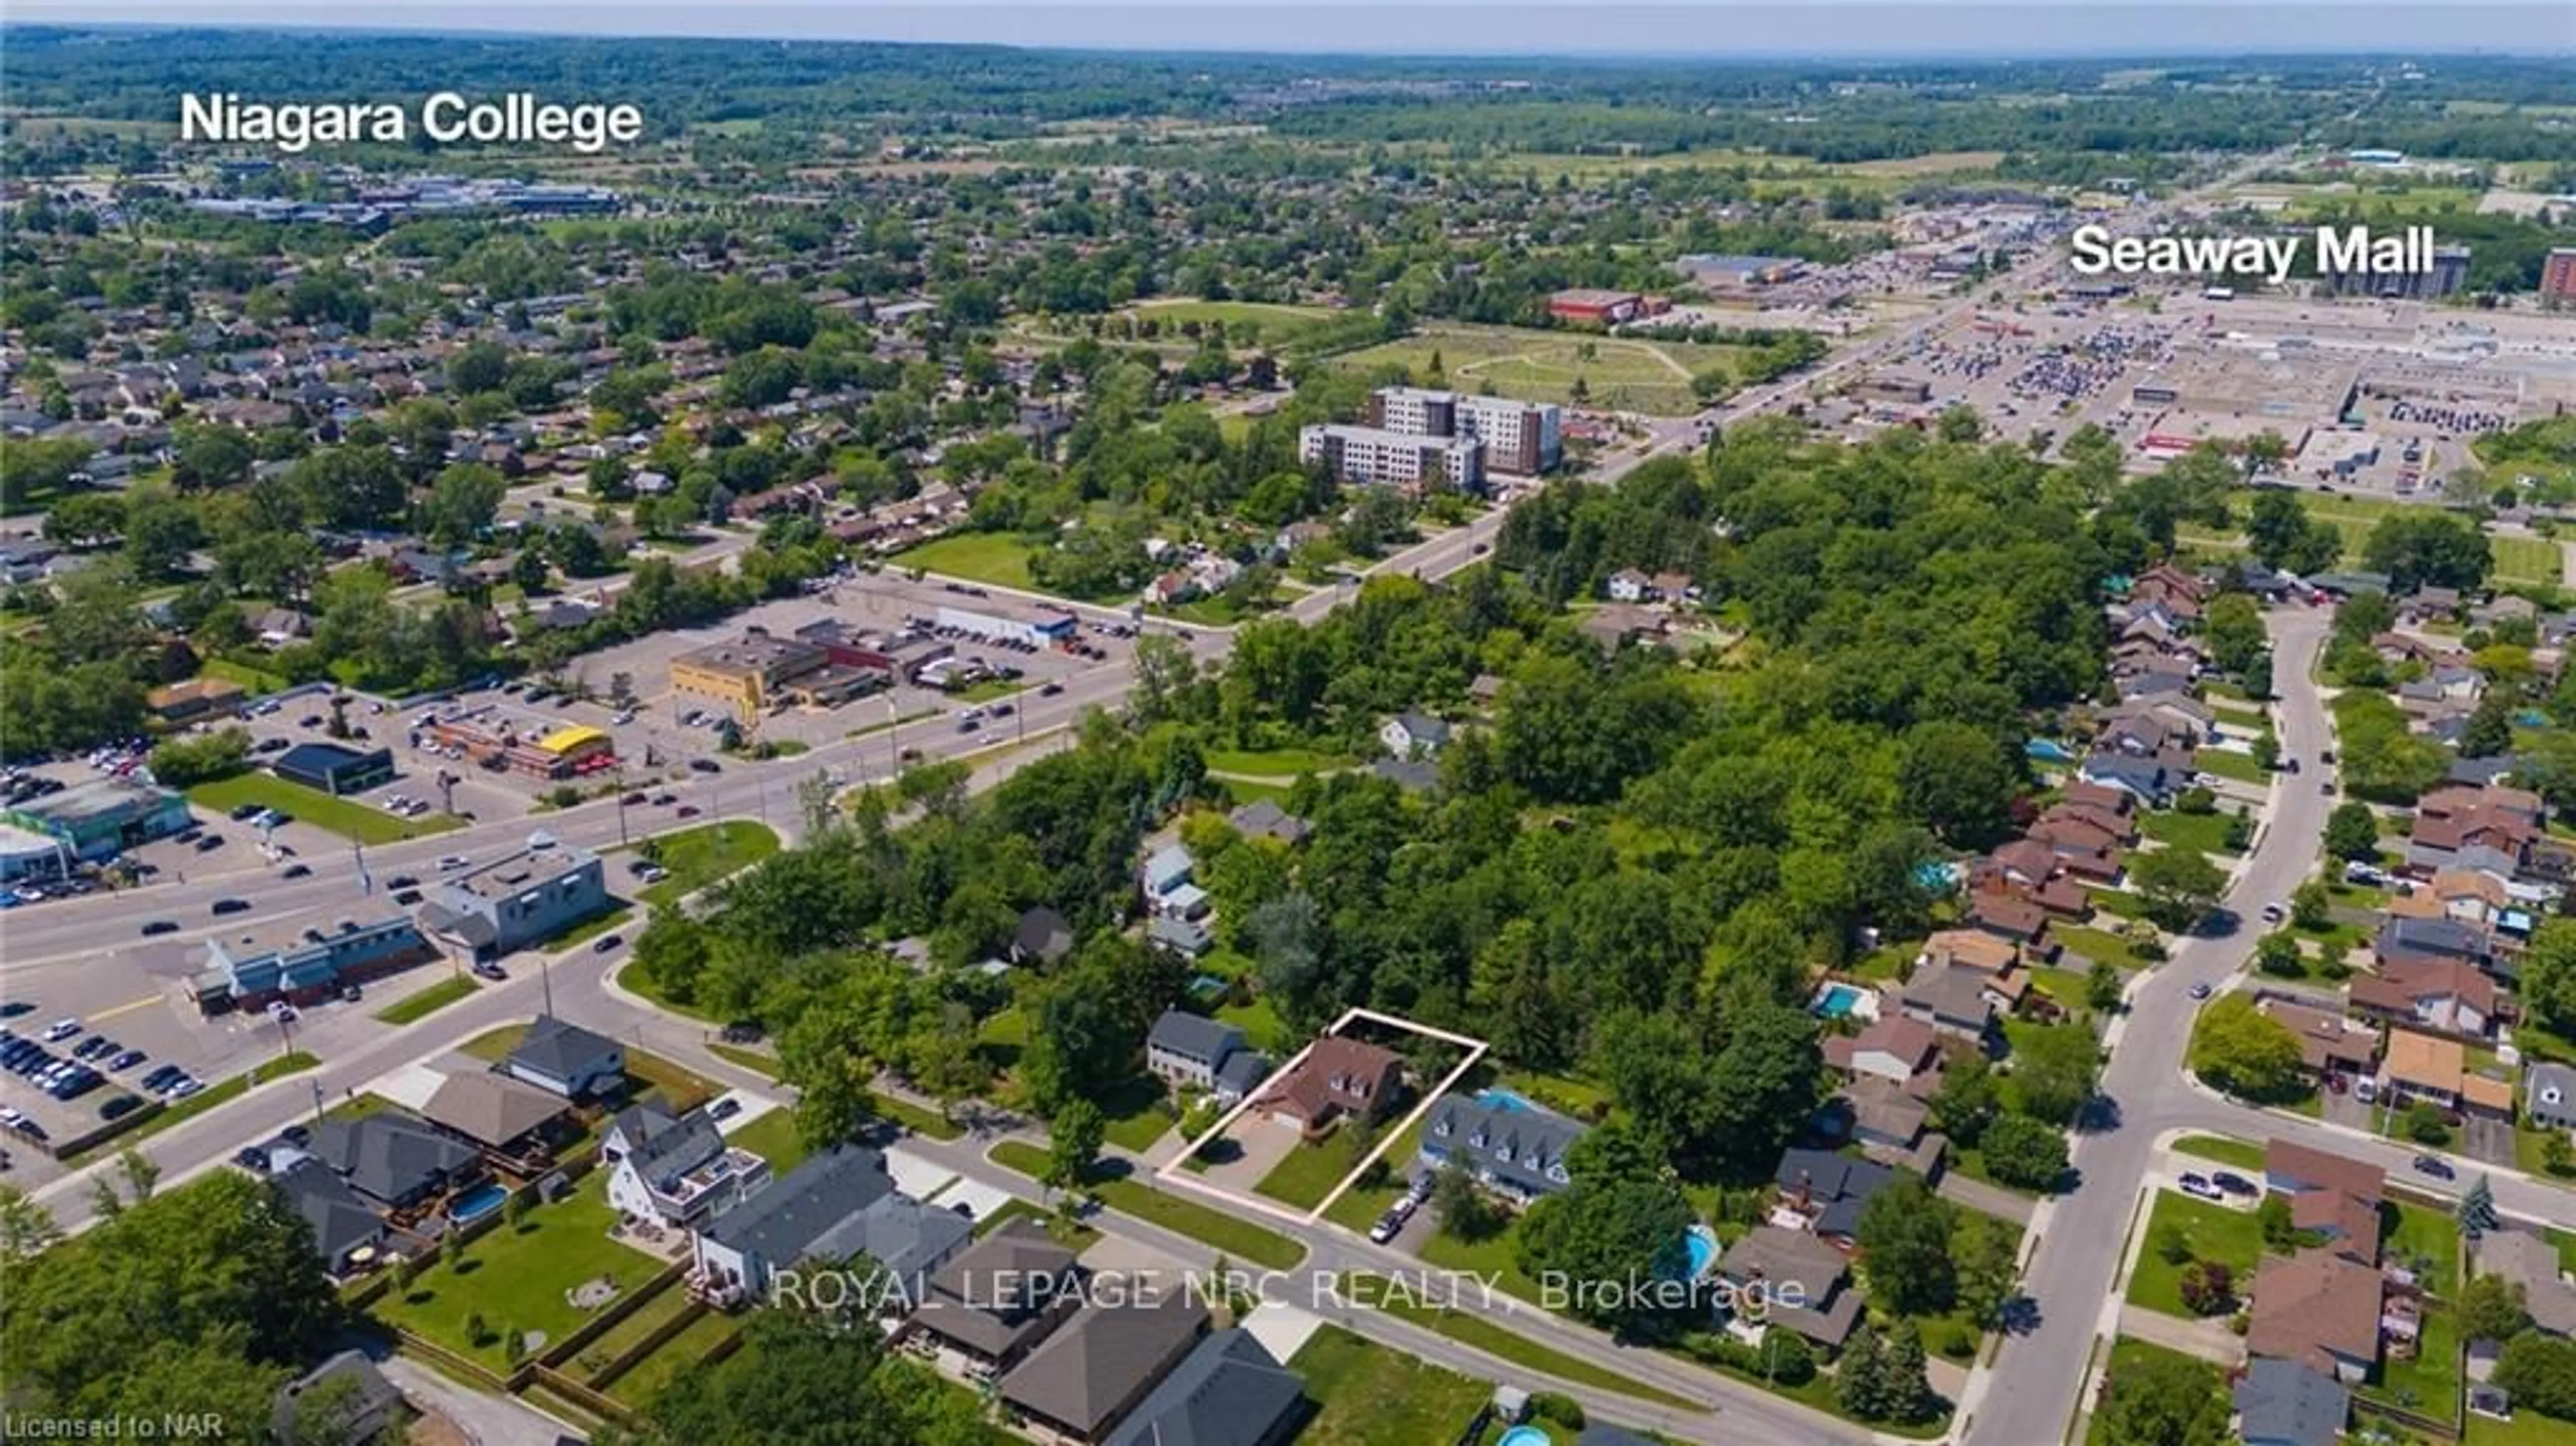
column 1226, row 1392
column 1195, row 1036
column 782, row 1223
column 1086, row 1371
column 2286, row 1401
column 341, row 1221
column 389, row 1156
column 558, row 1048
column 663, row 1148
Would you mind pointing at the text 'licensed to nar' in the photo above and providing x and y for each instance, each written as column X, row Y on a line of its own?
column 447, row 118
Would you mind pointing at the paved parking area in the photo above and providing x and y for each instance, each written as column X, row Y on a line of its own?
column 2343, row 1109
column 2487, row 1139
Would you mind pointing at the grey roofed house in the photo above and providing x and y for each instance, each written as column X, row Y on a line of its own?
column 1043, row 936
column 909, row 1239
column 564, row 1057
column 1519, row 1151
column 490, row 1109
column 784, row 1223
column 1090, row 1374
column 392, row 1157
column 1194, row 1038
column 1793, row 1264
column 1831, row 1189
column 662, row 1146
column 2283, row 1403
column 1183, row 936
column 1003, row 1294
column 1228, row 1391
column 358, row 1410
column 341, row 1221
column 1413, row 775
column 2549, row 1095
column 2431, row 939
column 2479, row 772
column 1241, row 1074
column 2532, row 1262
column 2145, row 778
column 1264, row 818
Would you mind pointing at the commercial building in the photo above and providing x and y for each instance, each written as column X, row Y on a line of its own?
column 1733, row 273
column 1377, row 457
column 196, row 698
column 254, row 970
column 559, row 754
column 333, row 769
column 579, row 749
column 1043, row 627
column 1520, row 439
column 2447, row 272
column 2558, row 277
column 746, row 675
column 25, row 855
column 103, row 817
column 521, row 899
column 1595, row 308
column 889, row 657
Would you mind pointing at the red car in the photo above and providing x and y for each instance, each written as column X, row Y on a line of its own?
column 688, row 810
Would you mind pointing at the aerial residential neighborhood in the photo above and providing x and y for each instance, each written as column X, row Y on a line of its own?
column 1557, row 726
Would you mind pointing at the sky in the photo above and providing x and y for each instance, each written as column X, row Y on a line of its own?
column 1823, row 28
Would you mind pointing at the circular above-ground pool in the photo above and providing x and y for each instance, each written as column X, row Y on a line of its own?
column 1523, row 1436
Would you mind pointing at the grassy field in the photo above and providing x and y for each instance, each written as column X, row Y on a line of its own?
column 518, row 1277
column 2227, row 764
column 2228, row 1237
column 348, row 819
column 2206, row 832
column 1234, row 1235
column 1135, row 1114
column 222, row 1092
column 2527, row 559
column 2431, row 1382
column 630, row 1332
column 773, row 1138
column 994, row 557
column 1273, row 321
column 1073, row 1235
column 1308, row 1173
column 1542, row 366
column 1470, row 1327
column 2527, row 1428
column 429, row 1001
column 1273, row 762
column 2427, row 1235
column 1372, row 1396
column 700, row 856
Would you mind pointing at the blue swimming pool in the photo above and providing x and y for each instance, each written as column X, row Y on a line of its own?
column 2048, row 750
column 1523, row 1436
column 1837, row 1000
column 476, row 1203
column 1502, row 1099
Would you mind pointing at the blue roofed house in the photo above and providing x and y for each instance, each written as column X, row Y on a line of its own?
column 1515, row 1150
column 2149, row 780
column 1190, row 1052
column 2284, row 1403
column 1827, row 1190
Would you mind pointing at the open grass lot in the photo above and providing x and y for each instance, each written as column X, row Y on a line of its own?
column 2129, row 1354
column 1073, row 1235
column 994, row 557
column 700, row 856
column 2226, row 763
column 1938, row 163
column 2206, row 832
column 2235, row 1154
column 1470, row 1327
column 773, row 1138
column 1273, row 762
column 2526, row 559
column 1232, row 1234
column 2229, row 1237
column 1495, row 1259
column 222, row 1092
column 353, row 821
column 1623, row 373
column 664, row 1307
column 1369, row 1395
column 639, row 1386
column 517, row 1277
column 1276, row 322
column 429, row 1001
column 2527, row 1428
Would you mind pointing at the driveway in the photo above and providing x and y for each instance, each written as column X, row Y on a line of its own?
column 2487, row 1140
column 2345, row 1110
column 1260, row 1144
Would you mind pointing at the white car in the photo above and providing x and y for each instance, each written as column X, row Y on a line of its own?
column 11, row 1118
column 2200, row 1185
column 61, row 1029
column 182, row 1087
column 451, row 863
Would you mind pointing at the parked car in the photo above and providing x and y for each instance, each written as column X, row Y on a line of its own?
column 127, row 1060
column 119, row 1107
column 61, row 1029
column 406, row 897
column 230, row 906
column 184, row 1086
column 486, row 969
column 244, row 813
column 351, row 994
column 210, row 843
column 2233, row 1183
column 608, row 943
column 2435, row 1166
column 252, row 1158
column 725, row 1109
column 159, row 926
column 402, row 881
column 31, row 1130
column 1386, row 1227
column 2271, row 913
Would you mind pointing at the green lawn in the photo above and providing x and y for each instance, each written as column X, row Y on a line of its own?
column 773, row 1138
column 2527, row 1428
column 1543, row 366
column 258, row 680
column 2206, row 832
column 1306, row 1174
column 1073, row 1235
column 765, row 1065
column 1135, row 1114
column 1274, row 762
column 2229, row 1237
column 2421, row 1234
column 2526, row 559
column 2431, row 1382
column 1369, row 1395
column 914, row 1118
column 2235, row 1154
column 1260, row 1023
column 639, row 1386
column 700, row 856
column 1470, row 1325
column 995, row 557
column 221, row 1092
column 429, row 1001
column 2227, row 764
column 1237, row 1237
column 517, row 1277
column 2129, row 1354
column 345, row 817
column 2100, row 946
column 663, row 1308
column 1275, row 322
column 1495, row 1259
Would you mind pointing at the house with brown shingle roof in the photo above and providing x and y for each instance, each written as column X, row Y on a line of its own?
column 2013, row 919
column 1895, row 1049
column 2423, row 1067
column 2329, row 1043
column 2440, row 994
column 1336, row 1077
column 2319, row 1309
column 2330, row 1195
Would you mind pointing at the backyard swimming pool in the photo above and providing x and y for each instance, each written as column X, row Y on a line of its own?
column 1837, row 1000
column 1523, row 1436
column 1501, row 1098
column 476, row 1203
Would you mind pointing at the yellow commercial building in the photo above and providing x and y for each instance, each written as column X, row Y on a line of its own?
column 578, row 743
column 745, row 675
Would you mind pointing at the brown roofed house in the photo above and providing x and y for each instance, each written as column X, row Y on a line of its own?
column 2328, row 1042
column 2319, row 1309
column 2424, row 1067
column 1337, row 1077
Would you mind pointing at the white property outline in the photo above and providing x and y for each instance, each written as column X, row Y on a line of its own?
column 1175, row 1173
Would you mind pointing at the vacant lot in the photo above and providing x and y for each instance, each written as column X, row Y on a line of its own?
column 700, row 856
column 994, row 557
column 1544, row 366
column 1372, row 1396
column 1261, row 320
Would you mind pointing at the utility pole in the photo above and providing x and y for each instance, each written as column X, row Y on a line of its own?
column 546, row 981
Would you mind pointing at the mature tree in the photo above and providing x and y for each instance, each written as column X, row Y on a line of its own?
column 2180, row 885
column 2423, row 547
column 2493, row 1308
column 2233, row 629
column 2278, row 953
column 2352, row 831
column 2207, row 1287
column 1463, row 1209
column 2054, row 1071
column 1074, row 1137
column 461, row 504
column 2477, row 1211
column 1860, row 1380
column 1961, row 781
column 1905, row 1247
column 2026, row 1152
column 800, row 1381
column 1968, row 1099
column 2540, row 1372
column 1905, row 1377
column 2549, row 975
column 1987, row 1268
column 2281, row 534
column 2489, row 733
column 2312, row 905
column 2163, row 1400
column 1612, row 1229
column 2247, row 1053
